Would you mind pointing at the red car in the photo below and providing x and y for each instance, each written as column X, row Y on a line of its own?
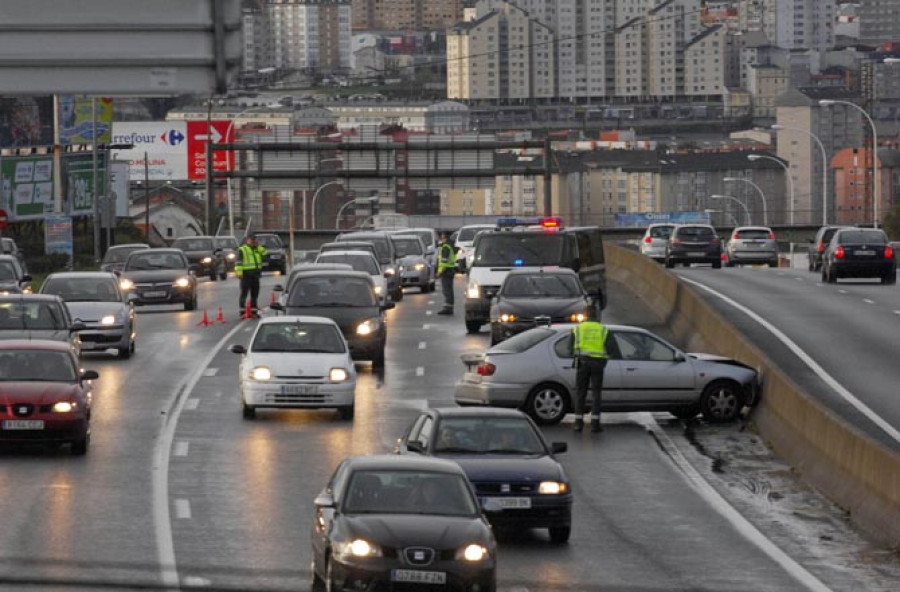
column 44, row 396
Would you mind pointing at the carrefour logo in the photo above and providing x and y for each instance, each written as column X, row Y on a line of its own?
column 172, row 137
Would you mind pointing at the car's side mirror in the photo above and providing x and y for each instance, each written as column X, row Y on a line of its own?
column 558, row 447
column 25, row 278
column 386, row 306
column 415, row 446
column 278, row 288
column 89, row 375
column 680, row 357
column 237, row 349
column 324, row 500
column 77, row 326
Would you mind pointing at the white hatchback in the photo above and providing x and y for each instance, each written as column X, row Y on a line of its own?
column 296, row 362
column 653, row 243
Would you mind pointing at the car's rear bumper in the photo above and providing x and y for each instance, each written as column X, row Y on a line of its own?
column 469, row 391
column 753, row 256
column 545, row 512
column 863, row 269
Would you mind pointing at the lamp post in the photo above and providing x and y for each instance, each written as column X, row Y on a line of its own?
column 824, row 165
column 732, row 198
column 877, row 182
column 761, row 195
column 358, row 200
column 316, row 197
column 787, row 171
column 729, row 214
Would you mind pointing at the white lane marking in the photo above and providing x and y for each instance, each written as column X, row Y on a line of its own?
column 181, row 448
column 842, row 291
column 825, row 376
column 162, row 522
column 724, row 509
column 867, row 301
column 897, row 312
column 426, row 326
column 422, row 345
column 428, row 313
column 197, row 582
column 210, row 372
column 431, row 302
column 192, row 404
column 420, row 371
column 183, row 509
column 799, row 279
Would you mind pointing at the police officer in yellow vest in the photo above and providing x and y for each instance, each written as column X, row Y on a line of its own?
column 249, row 270
column 589, row 346
column 446, row 270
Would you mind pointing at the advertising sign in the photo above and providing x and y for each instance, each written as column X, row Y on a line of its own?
column 76, row 122
column 26, row 121
column 164, row 144
column 645, row 219
column 26, row 186
column 199, row 135
column 78, row 182
column 58, row 235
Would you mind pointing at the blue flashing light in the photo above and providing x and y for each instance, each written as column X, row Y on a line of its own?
column 519, row 262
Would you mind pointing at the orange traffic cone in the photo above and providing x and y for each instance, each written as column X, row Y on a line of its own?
column 205, row 320
column 220, row 318
column 248, row 312
column 272, row 299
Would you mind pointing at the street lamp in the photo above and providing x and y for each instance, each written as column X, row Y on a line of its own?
column 315, row 197
column 729, row 214
column 787, row 171
column 829, row 103
column 761, row 195
column 358, row 200
column 732, row 198
column 824, row 165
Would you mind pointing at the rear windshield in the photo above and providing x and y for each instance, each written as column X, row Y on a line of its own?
column 193, row 244
column 334, row 291
column 468, row 234
column 32, row 315
column 753, row 234
column 516, row 249
column 8, row 271
column 407, row 246
column 661, row 231
column 872, row 237
column 119, row 255
column 696, row 232
column 382, row 250
column 524, row 341
column 548, row 285
column 357, row 262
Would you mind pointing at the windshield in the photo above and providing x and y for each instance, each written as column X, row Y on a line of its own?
column 755, row 233
column 516, row 249
column 8, row 271
column 31, row 314
column 269, row 241
column 405, row 246
column 851, row 237
column 408, row 492
column 36, row 366
column 155, row 260
column 427, row 236
column 226, row 242
column 334, row 291
column 661, row 231
column 83, row 289
column 477, row 435
column 193, row 244
column 547, row 285
column 120, row 254
column 467, row 234
column 362, row 263
column 524, row 341
column 696, row 232
column 298, row 337
column 382, row 250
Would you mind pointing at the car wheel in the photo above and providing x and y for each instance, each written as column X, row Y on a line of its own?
column 669, row 263
column 346, row 413
column 378, row 358
column 721, row 401
column 213, row 275
column 685, row 263
column 811, row 266
column 318, row 584
column 125, row 352
column 80, row 447
column 398, row 295
column 717, row 264
column 891, row 279
column 547, row 404
column 248, row 411
column 330, row 585
column 729, row 263
column 223, row 273
column 832, row 276
column 192, row 304
column 824, row 276
column 560, row 534
column 773, row 263
column 473, row 327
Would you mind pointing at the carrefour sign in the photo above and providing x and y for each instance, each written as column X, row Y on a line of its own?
column 644, row 219
column 160, row 149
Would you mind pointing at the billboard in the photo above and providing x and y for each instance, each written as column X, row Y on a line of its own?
column 26, row 186
column 26, row 121
column 58, row 235
column 76, row 120
column 162, row 144
column 78, row 182
column 645, row 219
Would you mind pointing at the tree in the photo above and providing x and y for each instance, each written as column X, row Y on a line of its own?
column 891, row 223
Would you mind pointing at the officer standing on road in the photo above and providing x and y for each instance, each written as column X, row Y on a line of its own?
column 589, row 346
column 249, row 270
column 446, row 271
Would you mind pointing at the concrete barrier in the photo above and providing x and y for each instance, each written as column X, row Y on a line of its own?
column 859, row 474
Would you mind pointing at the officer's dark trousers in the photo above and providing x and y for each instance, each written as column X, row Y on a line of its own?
column 250, row 284
column 590, row 371
column 447, row 287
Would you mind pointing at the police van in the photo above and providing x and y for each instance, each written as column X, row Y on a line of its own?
column 532, row 243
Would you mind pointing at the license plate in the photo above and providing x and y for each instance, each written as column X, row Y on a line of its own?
column 418, row 577
column 511, row 503
column 23, row 424
column 865, row 253
column 696, row 254
column 155, row 294
column 299, row 389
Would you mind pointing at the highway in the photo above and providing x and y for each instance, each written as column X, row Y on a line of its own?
column 178, row 491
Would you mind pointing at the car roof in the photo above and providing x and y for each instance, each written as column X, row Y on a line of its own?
column 195, row 236
column 161, row 250
column 354, row 252
column 129, row 246
column 389, row 462
column 334, row 272
column 35, row 344
column 6, row 257
column 498, row 412
column 89, row 275
column 310, row 266
column 752, row 228
column 364, row 234
column 552, row 271
column 296, row 319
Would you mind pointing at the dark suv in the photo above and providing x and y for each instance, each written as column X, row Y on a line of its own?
column 817, row 246
column 859, row 253
column 204, row 257
column 276, row 260
column 694, row 243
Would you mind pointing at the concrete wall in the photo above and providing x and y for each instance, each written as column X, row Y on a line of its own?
column 857, row 473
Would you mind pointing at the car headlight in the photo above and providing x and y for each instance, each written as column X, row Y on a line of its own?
column 419, row 266
column 552, row 487
column 64, row 407
column 389, row 271
column 367, row 327
column 126, row 284
column 578, row 317
column 378, row 290
column 261, row 373
column 230, row 256
column 27, row 290
column 182, row 282
column 507, row 318
column 358, row 548
column 338, row 375
column 473, row 552
column 4, row 293
column 206, row 260
column 108, row 320
column 473, row 290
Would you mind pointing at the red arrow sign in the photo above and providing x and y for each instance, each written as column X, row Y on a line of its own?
column 198, row 135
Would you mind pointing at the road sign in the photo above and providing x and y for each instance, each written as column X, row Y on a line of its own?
column 4, row 219
column 199, row 134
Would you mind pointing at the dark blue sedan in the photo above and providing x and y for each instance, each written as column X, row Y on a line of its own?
column 514, row 471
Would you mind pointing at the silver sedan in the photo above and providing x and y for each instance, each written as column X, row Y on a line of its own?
column 533, row 371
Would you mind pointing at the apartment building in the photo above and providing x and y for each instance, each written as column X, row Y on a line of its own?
column 705, row 63
column 415, row 15
column 310, row 34
column 671, row 26
column 800, row 24
column 853, row 183
column 879, row 21
column 256, row 39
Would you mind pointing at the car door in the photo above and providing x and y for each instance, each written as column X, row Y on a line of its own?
column 563, row 361
column 322, row 522
column 652, row 370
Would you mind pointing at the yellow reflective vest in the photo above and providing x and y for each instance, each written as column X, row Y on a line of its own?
column 446, row 258
column 251, row 259
column 589, row 339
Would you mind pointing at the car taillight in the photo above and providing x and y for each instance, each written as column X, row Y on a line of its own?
column 821, row 247
column 486, row 369
column 888, row 252
column 839, row 252
column 771, row 236
column 648, row 240
column 676, row 241
column 735, row 236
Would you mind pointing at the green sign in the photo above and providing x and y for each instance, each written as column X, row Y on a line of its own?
column 26, row 186
column 78, row 181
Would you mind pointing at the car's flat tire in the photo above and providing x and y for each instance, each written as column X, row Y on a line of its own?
column 559, row 535
column 721, row 401
column 547, row 404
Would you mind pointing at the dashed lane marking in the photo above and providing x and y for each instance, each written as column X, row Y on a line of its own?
column 428, row 313
column 422, row 345
column 181, row 448
column 426, row 326
column 210, row 372
column 183, row 509
column 192, row 404
column 420, row 371
column 842, row 291
column 868, row 301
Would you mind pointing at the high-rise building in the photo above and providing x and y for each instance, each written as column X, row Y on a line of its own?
column 256, row 38
column 310, row 34
column 800, row 24
column 416, row 15
column 879, row 21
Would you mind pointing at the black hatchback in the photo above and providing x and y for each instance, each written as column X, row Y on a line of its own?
column 859, row 253
column 694, row 243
